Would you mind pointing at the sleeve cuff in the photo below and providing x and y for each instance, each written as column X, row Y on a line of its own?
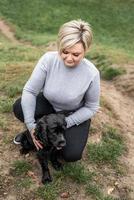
column 30, row 126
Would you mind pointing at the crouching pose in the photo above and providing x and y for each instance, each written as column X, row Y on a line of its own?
column 63, row 80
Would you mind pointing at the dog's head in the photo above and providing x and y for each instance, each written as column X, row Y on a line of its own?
column 50, row 130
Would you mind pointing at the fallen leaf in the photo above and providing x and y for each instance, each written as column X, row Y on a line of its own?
column 34, row 177
column 110, row 190
column 31, row 174
column 27, row 155
column 116, row 183
column 64, row 195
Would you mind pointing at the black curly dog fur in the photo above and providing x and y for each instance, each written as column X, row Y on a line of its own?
column 50, row 131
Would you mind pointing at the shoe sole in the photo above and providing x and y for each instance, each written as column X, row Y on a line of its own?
column 14, row 141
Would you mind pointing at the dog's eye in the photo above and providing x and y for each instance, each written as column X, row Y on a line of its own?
column 53, row 137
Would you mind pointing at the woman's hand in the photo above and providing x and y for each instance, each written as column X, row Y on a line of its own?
column 36, row 142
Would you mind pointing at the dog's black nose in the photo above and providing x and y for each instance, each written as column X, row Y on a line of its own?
column 61, row 143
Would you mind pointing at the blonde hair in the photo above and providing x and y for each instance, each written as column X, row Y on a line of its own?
column 73, row 32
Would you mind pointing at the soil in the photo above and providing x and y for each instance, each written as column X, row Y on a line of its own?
column 119, row 98
column 7, row 32
column 123, row 108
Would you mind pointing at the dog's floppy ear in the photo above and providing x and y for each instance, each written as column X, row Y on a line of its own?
column 40, row 125
column 62, row 118
column 41, row 130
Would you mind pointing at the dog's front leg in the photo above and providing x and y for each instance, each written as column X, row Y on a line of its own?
column 54, row 160
column 43, row 159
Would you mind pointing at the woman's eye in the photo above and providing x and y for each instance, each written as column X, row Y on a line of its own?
column 65, row 52
column 76, row 55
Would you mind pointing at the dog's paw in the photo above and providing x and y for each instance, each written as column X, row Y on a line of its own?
column 57, row 165
column 46, row 179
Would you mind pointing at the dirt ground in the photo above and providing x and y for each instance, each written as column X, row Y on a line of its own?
column 118, row 95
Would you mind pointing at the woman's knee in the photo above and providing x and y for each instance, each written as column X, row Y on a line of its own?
column 71, row 157
column 17, row 110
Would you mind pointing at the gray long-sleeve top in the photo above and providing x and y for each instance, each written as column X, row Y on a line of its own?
column 66, row 88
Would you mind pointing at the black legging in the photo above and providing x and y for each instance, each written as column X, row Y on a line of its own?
column 76, row 136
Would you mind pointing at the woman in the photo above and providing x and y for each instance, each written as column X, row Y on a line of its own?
column 69, row 82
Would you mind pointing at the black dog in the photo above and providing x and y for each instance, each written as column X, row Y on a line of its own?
column 50, row 131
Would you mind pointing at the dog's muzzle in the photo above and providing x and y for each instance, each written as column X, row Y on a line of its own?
column 61, row 143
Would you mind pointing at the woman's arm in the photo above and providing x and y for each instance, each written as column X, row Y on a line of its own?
column 31, row 90
column 91, row 104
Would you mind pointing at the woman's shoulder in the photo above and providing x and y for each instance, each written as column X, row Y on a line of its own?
column 50, row 54
column 48, row 58
column 90, row 66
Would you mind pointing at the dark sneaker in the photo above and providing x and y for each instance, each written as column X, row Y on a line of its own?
column 17, row 139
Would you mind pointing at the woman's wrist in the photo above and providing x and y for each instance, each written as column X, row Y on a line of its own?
column 30, row 126
column 32, row 131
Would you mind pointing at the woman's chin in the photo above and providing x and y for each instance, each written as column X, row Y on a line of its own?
column 69, row 64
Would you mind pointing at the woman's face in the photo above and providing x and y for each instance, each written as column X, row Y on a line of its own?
column 73, row 55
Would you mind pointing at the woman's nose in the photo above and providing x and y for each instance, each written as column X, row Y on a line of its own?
column 69, row 57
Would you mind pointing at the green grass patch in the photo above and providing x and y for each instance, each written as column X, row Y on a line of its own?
column 107, row 72
column 21, row 167
column 23, row 183
column 36, row 39
column 96, row 193
column 49, row 191
column 5, row 104
column 16, row 65
column 3, row 123
column 109, row 19
column 77, row 172
column 14, row 79
column 13, row 91
column 74, row 171
column 18, row 53
column 108, row 150
column 6, row 139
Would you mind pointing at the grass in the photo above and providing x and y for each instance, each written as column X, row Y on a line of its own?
column 11, row 86
column 108, row 150
column 107, row 72
column 105, row 104
column 36, row 39
column 96, row 193
column 13, row 90
column 17, row 54
column 74, row 171
column 16, row 65
column 48, row 192
column 24, row 183
column 21, row 167
column 3, row 122
column 109, row 19
column 5, row 105
column 77, row 172
column 31, row 22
